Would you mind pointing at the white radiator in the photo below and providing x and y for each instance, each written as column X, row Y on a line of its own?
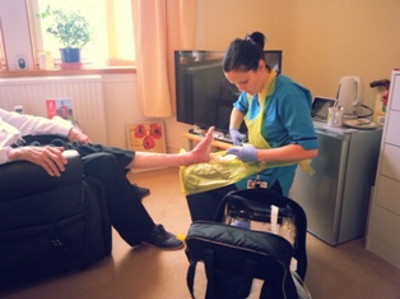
column 85, row 92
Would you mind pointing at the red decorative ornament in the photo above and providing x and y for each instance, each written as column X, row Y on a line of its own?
column 140, row 131
column 155, row 130
column 148, row 142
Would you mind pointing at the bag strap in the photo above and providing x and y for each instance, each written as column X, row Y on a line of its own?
column 208, row 263
column 302, row 291
column 240, row 195
column 190, row 276
column 221, row 205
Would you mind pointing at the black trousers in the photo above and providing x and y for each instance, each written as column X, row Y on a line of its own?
column 204, row 206
column 127, row 214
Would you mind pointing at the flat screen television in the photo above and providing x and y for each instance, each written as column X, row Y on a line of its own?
column 204, row 97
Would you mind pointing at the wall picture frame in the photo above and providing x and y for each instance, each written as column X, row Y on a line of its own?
column 147, row 136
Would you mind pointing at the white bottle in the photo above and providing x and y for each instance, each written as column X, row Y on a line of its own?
column 19, row 109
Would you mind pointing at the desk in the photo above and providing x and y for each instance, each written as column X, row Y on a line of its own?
column 216, row 143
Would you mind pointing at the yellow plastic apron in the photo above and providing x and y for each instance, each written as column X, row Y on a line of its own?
column 254, row 126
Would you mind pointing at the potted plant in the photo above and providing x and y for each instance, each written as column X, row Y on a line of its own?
column 71, row 29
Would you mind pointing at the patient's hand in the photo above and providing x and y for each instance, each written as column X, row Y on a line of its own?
column 49, row 158
column 76, row 135
column 201, row 153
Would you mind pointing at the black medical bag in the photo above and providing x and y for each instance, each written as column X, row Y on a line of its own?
column 272, row 250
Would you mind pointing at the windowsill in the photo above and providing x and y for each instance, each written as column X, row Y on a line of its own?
column 88, row 71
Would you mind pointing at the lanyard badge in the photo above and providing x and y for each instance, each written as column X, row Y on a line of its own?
column 256, row 183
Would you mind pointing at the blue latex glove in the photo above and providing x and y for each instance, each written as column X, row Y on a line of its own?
column 236, row 136
column 246, row 154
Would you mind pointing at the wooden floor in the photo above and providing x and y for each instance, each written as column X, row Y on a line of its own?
column 347, row 271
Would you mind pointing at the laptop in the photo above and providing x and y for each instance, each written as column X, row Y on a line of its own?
column 319, row 108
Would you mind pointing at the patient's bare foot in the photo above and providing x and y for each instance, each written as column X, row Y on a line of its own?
column 201, row 153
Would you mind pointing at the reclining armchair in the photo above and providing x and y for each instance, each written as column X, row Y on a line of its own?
column 50, row 225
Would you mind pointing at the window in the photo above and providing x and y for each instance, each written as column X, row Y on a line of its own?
column 110, row 22
column 3, row 63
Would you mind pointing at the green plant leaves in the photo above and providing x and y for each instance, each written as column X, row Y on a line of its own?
column 69, row 27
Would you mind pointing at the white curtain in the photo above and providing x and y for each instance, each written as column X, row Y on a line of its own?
column 161, row 26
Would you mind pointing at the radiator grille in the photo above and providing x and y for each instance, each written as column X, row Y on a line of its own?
column 85, row 92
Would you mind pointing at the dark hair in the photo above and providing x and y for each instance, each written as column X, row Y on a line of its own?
column 245, row 54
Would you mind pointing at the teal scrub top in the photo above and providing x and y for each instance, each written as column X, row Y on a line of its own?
column 286, row 120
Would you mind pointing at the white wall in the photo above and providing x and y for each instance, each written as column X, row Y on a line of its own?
column 122, row 109
column 321, row 40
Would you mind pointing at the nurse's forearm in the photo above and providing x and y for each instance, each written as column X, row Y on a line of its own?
column 236, row 119
column 288, row 153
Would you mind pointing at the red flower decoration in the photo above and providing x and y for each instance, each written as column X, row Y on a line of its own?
column 155, row 130
column 148, row 142
column 140, row 131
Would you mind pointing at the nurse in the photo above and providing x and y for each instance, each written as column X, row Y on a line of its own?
column 276, row 111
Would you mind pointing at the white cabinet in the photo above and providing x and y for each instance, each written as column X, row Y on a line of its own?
column 384, row 219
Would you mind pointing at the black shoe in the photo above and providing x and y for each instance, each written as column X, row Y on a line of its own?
column 162, row 239
column 142, row 192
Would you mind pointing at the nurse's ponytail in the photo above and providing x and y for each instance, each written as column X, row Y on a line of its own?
column 257, row 38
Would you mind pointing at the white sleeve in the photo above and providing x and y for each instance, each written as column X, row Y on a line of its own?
column 35, row 125
column 14, row 126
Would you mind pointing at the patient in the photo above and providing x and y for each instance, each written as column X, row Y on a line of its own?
column 20, row 140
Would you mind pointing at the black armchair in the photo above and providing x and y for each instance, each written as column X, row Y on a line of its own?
column 50, row 225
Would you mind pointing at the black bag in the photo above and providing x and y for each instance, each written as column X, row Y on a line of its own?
column 50, row 229
column 255, row 205
column 233, row 256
